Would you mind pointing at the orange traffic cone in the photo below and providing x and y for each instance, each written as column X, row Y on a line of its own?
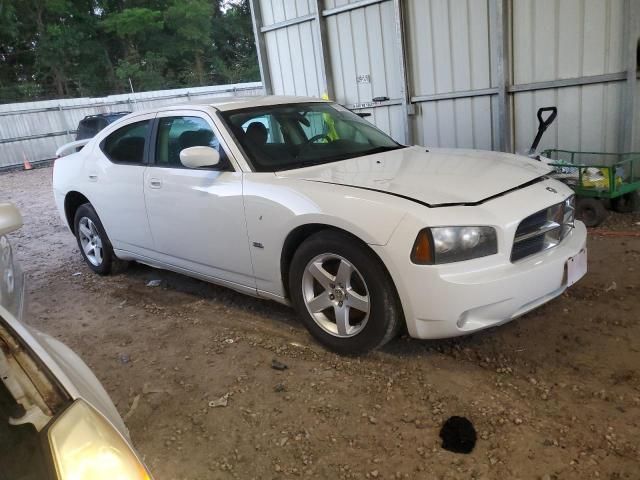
column 27, row 165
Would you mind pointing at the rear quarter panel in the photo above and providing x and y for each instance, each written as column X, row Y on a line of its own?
column 66, row 177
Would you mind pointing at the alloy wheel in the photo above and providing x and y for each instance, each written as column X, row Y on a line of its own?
column 336, row 295
column 90, row 241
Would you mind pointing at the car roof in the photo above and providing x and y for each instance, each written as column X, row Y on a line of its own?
column 236, row 103
column 106, row 115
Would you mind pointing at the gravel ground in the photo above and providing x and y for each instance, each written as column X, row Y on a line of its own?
column 553, row 395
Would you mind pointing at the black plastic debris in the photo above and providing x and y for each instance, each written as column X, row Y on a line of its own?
column 277, row 365
column 458, row 435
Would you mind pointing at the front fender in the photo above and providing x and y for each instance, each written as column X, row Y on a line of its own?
column 276, row 206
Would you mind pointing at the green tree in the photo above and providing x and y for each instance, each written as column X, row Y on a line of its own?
column 61, row 48
column 234, row 53
column 189, row 22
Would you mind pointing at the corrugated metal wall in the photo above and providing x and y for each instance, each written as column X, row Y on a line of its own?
column 52, row 123
column 293, row 52
column 559, row 39
column 568, row 53
column 449, row 53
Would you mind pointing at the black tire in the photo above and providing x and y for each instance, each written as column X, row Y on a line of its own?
column 385, row 312
column 591, row 211
column 109, row 263
column 626, row 203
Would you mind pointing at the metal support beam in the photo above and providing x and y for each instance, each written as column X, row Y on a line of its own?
column 568, row 82
column 631, row 101
column 251, row 87
column 350, row 6
column 37, row 137
column 323, row 40
column 405, row 89
column 499, row 14
column 261, row 48
column 483, row 92
column 288, row 23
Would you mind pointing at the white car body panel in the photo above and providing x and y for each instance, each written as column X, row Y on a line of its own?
column 117, row 191
column 275, row 206
column 486, row 291
column 433, row 177
column 230, row 227
column 196, row 204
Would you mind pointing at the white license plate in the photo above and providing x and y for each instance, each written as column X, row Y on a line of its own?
column 576, row 267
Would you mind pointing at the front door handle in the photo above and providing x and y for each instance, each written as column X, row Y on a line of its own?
column 93, row 177
column 155, row 183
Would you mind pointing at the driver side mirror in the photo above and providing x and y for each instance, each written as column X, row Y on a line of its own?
column 196, row 157
column 10, row 218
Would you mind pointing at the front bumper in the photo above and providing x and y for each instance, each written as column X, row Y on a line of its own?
column 441, row 301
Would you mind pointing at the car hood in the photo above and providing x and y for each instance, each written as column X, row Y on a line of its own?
column 436, row 177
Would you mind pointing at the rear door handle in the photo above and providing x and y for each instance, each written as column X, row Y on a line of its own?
column 93, row 177
column 155, row 183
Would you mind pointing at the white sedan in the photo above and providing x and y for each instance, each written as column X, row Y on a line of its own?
column 301, row 201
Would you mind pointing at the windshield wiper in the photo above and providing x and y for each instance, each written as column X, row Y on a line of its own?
column 337, row 158
column 373, row 151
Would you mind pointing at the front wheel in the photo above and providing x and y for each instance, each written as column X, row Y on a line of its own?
column 93, row 242
column 343, row 293
column 591, row 211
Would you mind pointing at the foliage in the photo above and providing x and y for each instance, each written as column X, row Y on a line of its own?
column 67, row 48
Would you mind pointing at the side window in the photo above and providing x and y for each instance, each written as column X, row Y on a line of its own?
column 126, row 145
column 177, row 133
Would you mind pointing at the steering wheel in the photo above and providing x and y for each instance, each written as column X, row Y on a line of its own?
column 315, row 138
column 311, row 141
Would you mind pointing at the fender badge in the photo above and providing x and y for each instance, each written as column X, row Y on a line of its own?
column 552, row 190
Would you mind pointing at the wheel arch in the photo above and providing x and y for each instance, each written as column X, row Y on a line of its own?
column 72, row 202
column 299, row 234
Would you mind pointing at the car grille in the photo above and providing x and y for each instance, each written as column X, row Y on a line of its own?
column 543, row 230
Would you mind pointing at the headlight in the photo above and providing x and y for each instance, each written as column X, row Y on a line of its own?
column 453, row 244
column 569, row 217
column 86, row 446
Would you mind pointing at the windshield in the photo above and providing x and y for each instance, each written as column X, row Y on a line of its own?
column 285, row 137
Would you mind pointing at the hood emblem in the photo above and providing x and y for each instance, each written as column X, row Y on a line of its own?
column 552, row 190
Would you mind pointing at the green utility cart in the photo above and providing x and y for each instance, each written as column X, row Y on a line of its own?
column 597, row 176
column 594, row 176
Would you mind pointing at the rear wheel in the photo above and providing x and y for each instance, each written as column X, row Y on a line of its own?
column 626, row 203
column 343, row 293
column 591, row 211
column 93, row 242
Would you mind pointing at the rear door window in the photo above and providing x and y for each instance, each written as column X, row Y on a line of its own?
column 127, row 144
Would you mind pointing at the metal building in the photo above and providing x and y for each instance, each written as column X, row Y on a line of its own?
column 464, row 73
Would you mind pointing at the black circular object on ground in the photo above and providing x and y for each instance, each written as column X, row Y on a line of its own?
column 458, row 435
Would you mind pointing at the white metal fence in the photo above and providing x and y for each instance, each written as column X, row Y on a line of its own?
column 34, row 130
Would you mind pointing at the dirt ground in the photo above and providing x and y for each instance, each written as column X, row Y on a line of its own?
column 554, row 394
